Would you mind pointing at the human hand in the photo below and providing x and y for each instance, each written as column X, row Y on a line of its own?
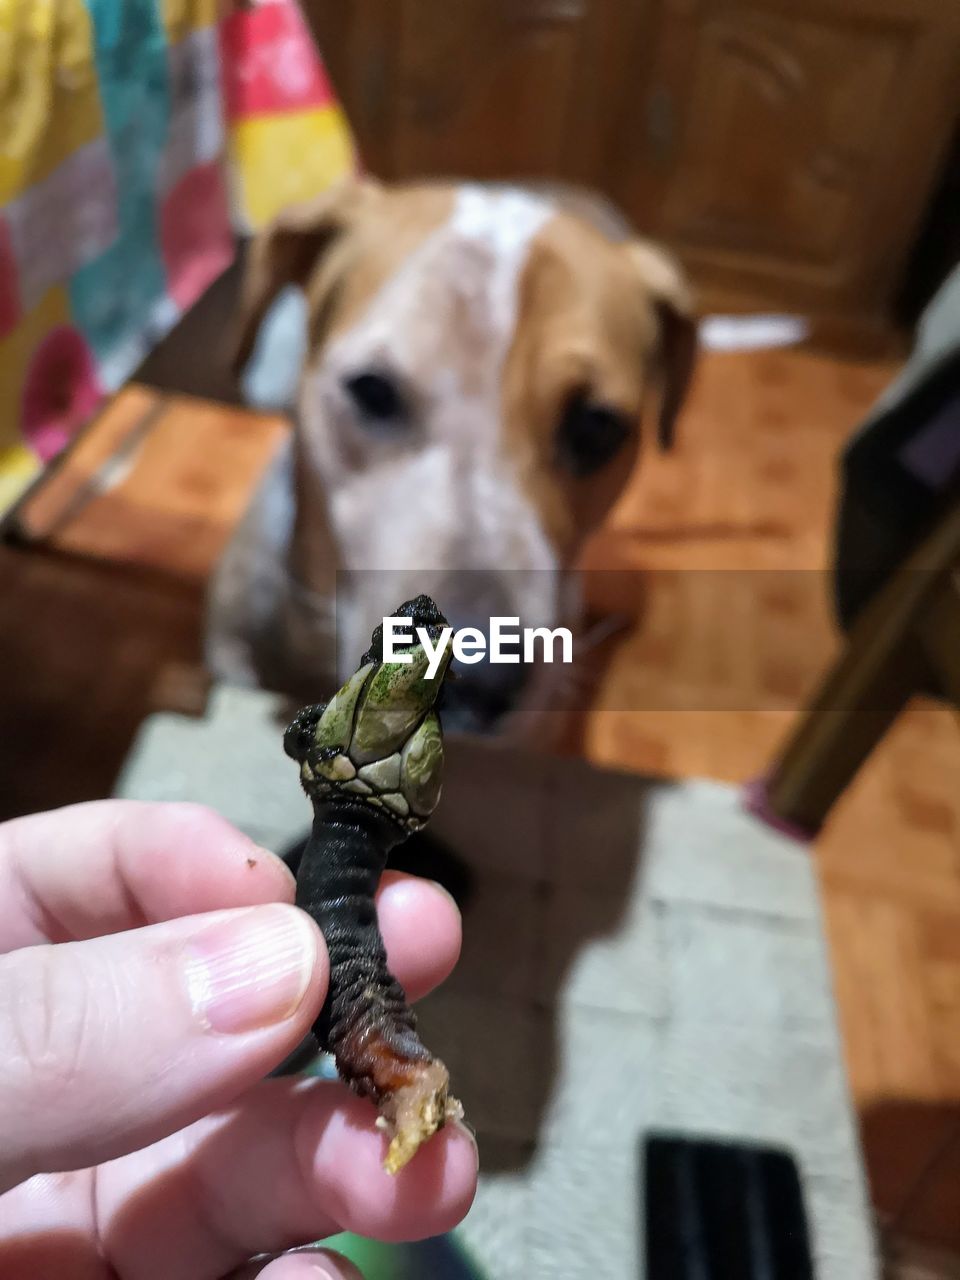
column 146, row 988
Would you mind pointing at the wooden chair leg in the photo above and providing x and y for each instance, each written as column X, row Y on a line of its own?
column 858, row 702
column 886, row 661
column 939, row 631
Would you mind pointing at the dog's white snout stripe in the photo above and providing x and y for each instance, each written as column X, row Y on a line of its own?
column 504, row 223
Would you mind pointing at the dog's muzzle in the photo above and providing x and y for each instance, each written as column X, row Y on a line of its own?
column 482, row 694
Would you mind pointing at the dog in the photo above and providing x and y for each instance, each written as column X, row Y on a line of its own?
column 477, row 361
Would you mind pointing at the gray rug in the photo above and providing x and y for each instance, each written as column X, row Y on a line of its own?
column 637, row 957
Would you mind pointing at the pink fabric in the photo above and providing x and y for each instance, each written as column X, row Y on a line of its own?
column 61, row 391
column 269, row 63
column 194, row 233
column 9, row 294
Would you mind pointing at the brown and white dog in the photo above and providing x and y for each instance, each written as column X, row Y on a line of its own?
column 478, row 361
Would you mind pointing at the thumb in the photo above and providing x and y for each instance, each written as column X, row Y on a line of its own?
column 106, row 1046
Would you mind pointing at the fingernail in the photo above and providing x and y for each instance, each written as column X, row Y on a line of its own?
column 410, row 886
column 467, row 1130
column 273, row 859
column 316, row 1263
column 253, row 969
column 442, row 888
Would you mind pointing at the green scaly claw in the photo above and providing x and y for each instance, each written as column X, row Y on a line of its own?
column 379, row 739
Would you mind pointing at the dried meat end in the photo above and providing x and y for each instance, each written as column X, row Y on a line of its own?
column 411, row 1093
column 416, row 1112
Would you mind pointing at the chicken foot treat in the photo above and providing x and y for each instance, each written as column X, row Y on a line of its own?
column 371, row 761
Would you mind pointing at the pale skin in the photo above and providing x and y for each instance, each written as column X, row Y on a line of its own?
column 152, row 971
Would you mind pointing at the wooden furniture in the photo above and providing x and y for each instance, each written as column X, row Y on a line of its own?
column 906, row 637
column 786, row 151
column 156, row 483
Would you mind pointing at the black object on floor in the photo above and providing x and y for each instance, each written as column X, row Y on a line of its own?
column 723, row 1211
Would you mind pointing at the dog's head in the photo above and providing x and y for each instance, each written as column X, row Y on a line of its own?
column 477, row 367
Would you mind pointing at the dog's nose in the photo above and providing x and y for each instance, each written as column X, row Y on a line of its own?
column 483, row 692
column 481, row 695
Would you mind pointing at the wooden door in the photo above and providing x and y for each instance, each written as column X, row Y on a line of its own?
column 787, row 149
column 479, row 88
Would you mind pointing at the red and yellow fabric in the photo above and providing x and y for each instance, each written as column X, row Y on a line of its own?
column 288, row 136
column 134, row 138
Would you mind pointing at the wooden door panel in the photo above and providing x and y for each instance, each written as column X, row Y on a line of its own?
column 782, row 121
column 787, row 150
column 487, row 86
column 358, row 42
column 481, row 88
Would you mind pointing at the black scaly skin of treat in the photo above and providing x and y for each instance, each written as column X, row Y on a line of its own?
column 338, row 877
column 423, row 613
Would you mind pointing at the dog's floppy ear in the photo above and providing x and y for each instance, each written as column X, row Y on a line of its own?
column 286, row 251
column 673, row 300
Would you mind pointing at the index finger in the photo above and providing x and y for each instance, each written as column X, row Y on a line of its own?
column 110, row 865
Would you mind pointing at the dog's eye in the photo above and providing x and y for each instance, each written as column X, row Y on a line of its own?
column 376, row 397
column 589, row 436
